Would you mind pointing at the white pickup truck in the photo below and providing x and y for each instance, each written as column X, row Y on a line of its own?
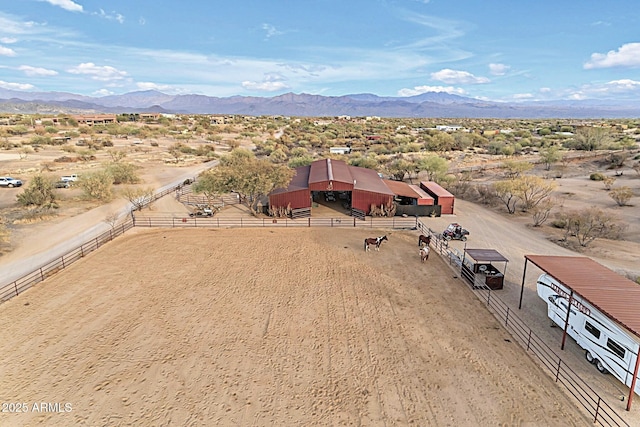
column 69, row 178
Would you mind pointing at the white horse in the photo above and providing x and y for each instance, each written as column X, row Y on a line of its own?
column 424, row 253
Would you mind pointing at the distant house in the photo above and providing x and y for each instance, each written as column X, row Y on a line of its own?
column 340, row 150
column 98, row 119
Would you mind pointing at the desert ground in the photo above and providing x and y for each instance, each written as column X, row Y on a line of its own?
column 264, row 327
column 282, row 327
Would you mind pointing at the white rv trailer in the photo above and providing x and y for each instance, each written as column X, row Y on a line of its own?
column 607, row 345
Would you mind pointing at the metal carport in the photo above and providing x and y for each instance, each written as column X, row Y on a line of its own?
column 612, row 294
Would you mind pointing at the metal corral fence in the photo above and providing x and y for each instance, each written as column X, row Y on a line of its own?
column 20, row 285
column 586, row 397
column 240, row 222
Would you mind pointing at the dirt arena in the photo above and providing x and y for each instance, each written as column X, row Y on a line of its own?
column 266, row 327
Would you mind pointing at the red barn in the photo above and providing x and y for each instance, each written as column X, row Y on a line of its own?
column 360, row 186
column 441, row 195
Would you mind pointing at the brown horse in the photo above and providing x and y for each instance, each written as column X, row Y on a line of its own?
column 424, row 239
column 374, row 241
column 424, row 253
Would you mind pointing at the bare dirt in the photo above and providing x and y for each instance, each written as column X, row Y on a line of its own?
column 263, row 327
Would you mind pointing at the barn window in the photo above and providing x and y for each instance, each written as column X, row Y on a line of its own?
column 592, row 329
column 616, row 348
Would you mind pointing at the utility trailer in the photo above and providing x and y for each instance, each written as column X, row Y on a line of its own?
column 607, row 344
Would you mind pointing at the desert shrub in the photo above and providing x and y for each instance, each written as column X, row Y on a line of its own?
column 608, row 182
column 97, row 185
column 154, row 144
column 41, row 140
column 39, row 193
column 123, row 173
column 596, row 176
column 621, row 195
column 560, row 223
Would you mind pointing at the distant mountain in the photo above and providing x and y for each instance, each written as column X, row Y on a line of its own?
column 431, row 104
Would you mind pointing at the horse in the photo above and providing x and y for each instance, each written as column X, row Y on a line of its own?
column 424, row 239
column 374, row 241
column 424, row 253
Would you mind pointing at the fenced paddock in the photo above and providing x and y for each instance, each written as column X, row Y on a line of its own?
column 601, row 412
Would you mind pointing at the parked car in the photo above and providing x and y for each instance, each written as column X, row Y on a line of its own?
column 63, row 184
column 7, row 181
column 202, row 211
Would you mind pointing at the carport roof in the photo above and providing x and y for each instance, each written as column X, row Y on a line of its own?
column 484, row 255
column 612, row 294
column 403, row 189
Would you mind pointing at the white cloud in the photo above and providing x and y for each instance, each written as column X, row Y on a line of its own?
column 628, row 55
column 103, row 73
column 522, row 96
column 153, row 86
column 457, row 77
column 36, row 71
column 113, row 16
column 424, row 89
column 265, row 86
column 5, row 51
column 69, row 5
column 102, row 92
column 545, row 90
column 15, row 86
column 8, row 40
column 498, row 69
column 271, row 30
column 624, row 85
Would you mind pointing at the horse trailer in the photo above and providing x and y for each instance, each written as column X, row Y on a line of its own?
column 607, row 344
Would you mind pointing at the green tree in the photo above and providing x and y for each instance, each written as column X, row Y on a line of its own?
column 399, row 168
column 513, row 169
column 550, row 156
column 39, row 193
column 507, row 193
column 591, row 138
column 138, row 197
column 253, row 179
column 435, row 166
column 123, row 173
column 97, row 185
column 590, row 224
column 531, row 190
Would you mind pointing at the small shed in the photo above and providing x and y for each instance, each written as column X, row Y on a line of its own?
column 482, row 263
column 441, row 196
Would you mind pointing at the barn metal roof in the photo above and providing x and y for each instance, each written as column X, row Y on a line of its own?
column 435, row 188
column 300, row 181
column 368, row 180
column 484, row 255
column 403, row 189
column 612, row 294
column 330, row 170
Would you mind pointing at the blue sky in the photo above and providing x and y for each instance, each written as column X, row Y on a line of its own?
column 492, row 49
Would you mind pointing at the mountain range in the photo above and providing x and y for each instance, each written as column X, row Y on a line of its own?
column 429, row 105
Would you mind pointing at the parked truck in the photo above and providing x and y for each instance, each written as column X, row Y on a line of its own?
column 70, row 178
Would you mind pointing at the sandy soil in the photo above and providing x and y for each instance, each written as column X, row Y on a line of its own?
column 263, row 327
column 282, row 327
